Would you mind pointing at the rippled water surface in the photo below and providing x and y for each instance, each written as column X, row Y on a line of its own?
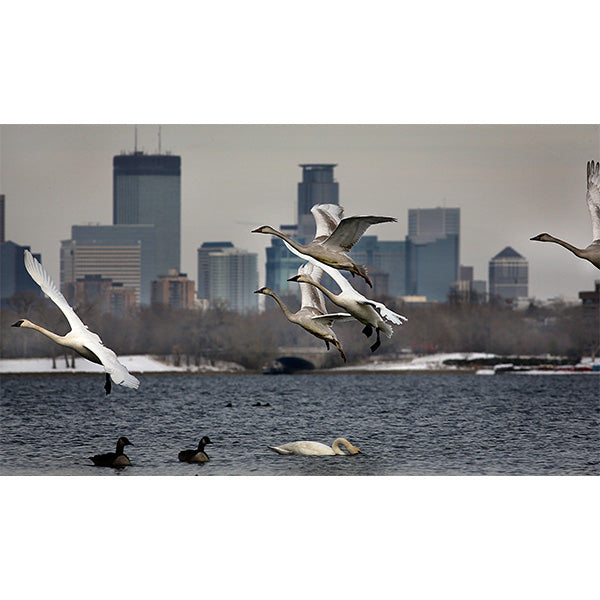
column 404, row 424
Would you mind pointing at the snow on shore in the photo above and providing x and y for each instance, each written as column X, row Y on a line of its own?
column 134, row 363
column 431, row 362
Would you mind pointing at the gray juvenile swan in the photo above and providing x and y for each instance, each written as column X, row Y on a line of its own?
column 307, row 448
column 592, row 252
column 334, row 238
column 113, row 459
column 84, row 342
column 195, row 456
column 311, row 316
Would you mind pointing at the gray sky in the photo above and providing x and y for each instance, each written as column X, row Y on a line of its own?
column 510, row 182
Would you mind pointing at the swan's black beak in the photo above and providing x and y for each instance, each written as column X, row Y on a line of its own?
column 18, row 323
column 294, row 278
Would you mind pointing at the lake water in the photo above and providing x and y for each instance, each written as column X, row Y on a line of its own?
column 405, row 424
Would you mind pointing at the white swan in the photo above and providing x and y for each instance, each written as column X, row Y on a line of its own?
column 334, row 237
column 80, row 339
column 312, row 316
column 371, row 313
column 592, row 252
column 306, row 448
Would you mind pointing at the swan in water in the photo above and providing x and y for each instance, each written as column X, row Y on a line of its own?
column 311, row 316
column 195, row 456
column 369, row 312
column 113, row 459
column 84, row 342
column 334, row 237
column 306, row 448
column 592, row 252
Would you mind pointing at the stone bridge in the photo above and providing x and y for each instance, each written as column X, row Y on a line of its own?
column 296, row 358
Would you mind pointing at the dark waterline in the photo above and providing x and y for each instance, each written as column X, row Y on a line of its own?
column 405, row 424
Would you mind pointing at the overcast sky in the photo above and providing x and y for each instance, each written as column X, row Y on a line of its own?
column 510, row 182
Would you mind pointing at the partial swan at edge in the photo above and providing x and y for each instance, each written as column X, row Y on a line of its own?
column 591, row 252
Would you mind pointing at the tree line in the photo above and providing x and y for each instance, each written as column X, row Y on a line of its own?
column 253, row 339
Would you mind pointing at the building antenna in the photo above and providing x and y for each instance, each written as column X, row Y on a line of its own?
column 159, row 139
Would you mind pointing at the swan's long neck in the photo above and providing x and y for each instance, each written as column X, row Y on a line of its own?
column 321, row 287
column 346, row 443
column 283, row 307
column 573, row 249
column 293, row 243
column 59, row 339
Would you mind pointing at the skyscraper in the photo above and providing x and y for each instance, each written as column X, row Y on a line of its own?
column 174, row 290
column 509, row 275
column 123, row 253
column 432, row 251
column 147, row 191
column 317, row 187
column 14, row 278
column 229, row 274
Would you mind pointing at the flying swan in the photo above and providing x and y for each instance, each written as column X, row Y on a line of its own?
column 80, row 339
column 334, row 237
column 592, row 252
column 369, row 312
column 312, row 316
column 306, row 448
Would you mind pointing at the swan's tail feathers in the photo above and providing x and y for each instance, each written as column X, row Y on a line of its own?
column 279, row 450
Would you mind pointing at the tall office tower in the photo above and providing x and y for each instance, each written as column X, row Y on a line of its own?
column 107, row 295
column 174, row 290
column 509, row 275
column 14, row 278
column 432, row 251
column 2, row 221
column 228, row 274
column 282, row 264
column 317, row 187
column 387, row 257
column 147, row 191
column 123, row 253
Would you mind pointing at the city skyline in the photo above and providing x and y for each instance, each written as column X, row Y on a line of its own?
column 510, row 182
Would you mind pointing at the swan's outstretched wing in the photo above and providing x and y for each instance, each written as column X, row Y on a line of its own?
column 311, row 297
column 350, row 230
column 327, row 218
column 385, row 312
column 41, row 277
column 117, row 371
column 331, row 318
column 593, row 197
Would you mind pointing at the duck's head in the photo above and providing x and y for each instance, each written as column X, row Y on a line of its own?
column 205, row 440
column 123, row 441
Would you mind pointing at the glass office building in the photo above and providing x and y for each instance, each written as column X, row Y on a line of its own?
column 508, row 275
column 147, row 191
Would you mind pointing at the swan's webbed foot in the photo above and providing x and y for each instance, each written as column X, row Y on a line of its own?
column 367, row 330
column 327, row 344
column 338, row 346
column 107, row 384
column 377, row 343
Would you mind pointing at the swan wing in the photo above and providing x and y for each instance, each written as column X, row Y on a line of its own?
column 350, row 230
column 331, row 318
column 311, row 297
column 47, row 285
column 593, row 196
column 118, row 372
column 305, row 448
column 327, row 218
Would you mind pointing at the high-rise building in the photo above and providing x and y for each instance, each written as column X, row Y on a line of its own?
column 107, row 295
column 147, row 191
column 2, row 217
column 432, row 252
column 509, row 275
column 174, row 290
column 317, row 187
column 123, row 253
column 14, row 277
column 227, row 274
column 382, row 257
